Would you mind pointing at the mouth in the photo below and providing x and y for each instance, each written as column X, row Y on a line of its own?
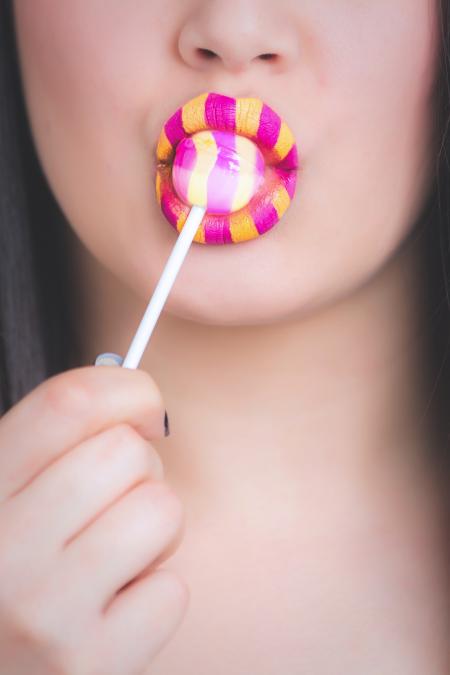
column 248, row 117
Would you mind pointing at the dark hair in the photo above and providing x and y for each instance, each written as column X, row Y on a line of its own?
column 37, row 332
column 37, row 339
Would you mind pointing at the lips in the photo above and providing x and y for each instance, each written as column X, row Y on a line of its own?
column 249, row 117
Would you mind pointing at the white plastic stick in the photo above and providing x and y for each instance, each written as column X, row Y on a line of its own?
column 163, row 287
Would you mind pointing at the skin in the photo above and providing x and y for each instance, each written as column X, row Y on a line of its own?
column 293, row 367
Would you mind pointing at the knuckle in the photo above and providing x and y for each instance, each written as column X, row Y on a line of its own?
column 67, row 396
column 169, row 507
column 181, row 588
column 177, row 587
column 124, row 437
column 125, row 443
column 152, row 512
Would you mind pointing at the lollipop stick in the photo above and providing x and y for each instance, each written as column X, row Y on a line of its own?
column 162, row 290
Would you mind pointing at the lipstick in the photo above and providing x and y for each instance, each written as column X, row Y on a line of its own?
column 250, row 118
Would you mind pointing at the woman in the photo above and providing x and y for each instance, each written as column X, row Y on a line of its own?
column 305, row 373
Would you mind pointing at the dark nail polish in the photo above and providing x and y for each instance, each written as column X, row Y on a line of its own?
column 166, row 424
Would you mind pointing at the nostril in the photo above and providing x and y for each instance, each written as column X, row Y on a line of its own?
column 209, row 55
column 268, row 57
column 206, row 53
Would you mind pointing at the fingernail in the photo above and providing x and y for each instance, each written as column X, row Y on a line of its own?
column 166, row 424
column 108, row 359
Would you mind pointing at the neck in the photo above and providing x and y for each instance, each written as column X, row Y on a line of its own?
column 346, row 383
column 309, row 432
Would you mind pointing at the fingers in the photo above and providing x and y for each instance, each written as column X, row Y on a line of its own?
column 149, row 610
column 81, row 484
column 85, row 518
column 123, row 541
column 69, row 408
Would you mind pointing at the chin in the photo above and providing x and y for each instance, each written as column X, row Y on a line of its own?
column 250, row 308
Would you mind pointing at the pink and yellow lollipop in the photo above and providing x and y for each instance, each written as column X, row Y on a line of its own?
column 218, row 170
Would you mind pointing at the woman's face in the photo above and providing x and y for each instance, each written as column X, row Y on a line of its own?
column 353, row 79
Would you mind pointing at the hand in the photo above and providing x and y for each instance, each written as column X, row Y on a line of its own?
column 85, row 518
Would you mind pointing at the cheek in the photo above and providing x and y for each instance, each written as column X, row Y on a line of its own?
column 368, row 155
column 89, row 79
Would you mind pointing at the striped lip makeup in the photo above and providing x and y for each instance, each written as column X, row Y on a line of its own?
column 250, row 118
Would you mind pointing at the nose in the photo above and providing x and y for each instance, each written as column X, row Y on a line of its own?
column 239, row 34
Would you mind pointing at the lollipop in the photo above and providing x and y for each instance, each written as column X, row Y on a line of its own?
column 218, row 170
column 226, row 174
